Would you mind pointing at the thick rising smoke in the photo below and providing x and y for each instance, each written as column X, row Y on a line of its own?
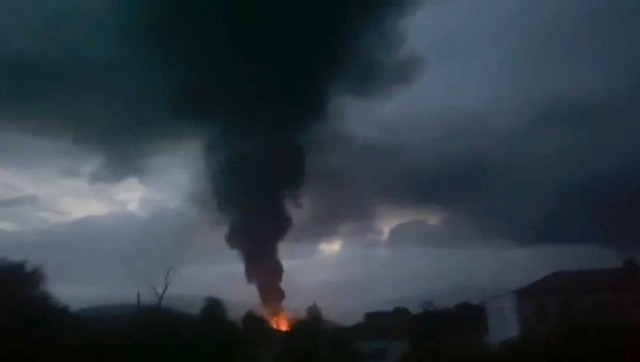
column 252, row 182
column 549, row 156
column 262, row 72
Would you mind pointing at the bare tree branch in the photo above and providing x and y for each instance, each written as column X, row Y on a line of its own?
column 160, row 294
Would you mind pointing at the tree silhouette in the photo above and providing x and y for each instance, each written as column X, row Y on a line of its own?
column 20, row 282
column 253, row 324
column 213, row 311
column 30, row 319
column 160, row 293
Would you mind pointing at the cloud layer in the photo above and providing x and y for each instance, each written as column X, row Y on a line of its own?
column 522, row 130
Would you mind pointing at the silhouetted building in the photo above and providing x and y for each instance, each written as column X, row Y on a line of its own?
column 502, row 318
column 382, row 336
column 458, row 332
column 314, row 312
column 596, row 297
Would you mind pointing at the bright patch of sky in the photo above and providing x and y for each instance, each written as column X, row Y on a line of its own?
column 55, row 176
column 330, row 247
column 390, row 217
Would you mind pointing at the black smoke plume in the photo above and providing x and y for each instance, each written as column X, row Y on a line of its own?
column 261, row 73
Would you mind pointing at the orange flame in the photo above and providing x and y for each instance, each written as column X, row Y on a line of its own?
column 280, row 322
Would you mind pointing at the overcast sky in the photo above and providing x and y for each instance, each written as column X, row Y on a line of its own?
column 510, row 152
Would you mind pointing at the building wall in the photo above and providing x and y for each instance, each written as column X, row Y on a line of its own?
column 540, row 314
column 502, row 317
column 382, row 351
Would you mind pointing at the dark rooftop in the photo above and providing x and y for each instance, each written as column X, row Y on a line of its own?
column 624, row 279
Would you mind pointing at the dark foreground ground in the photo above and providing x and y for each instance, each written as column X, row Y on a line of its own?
column 33, row 327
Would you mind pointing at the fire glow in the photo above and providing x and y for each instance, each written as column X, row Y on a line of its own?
column 280, row 322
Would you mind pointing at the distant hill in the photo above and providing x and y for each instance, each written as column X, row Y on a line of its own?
column 185, row 303
column 109, row 310
column 441, row 298
column 191, row 303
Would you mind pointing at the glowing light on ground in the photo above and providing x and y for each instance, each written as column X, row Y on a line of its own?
column 280, row 322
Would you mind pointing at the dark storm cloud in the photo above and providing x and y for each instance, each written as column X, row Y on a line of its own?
column 551, row 154
column 567, row 174
column 66, row 72
column 123, row 76
column 24, row 200
column 524, row 128
column 562, row 76
column 263, row 72
column 260, row 72
column 450, row 234
column 246, row 61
